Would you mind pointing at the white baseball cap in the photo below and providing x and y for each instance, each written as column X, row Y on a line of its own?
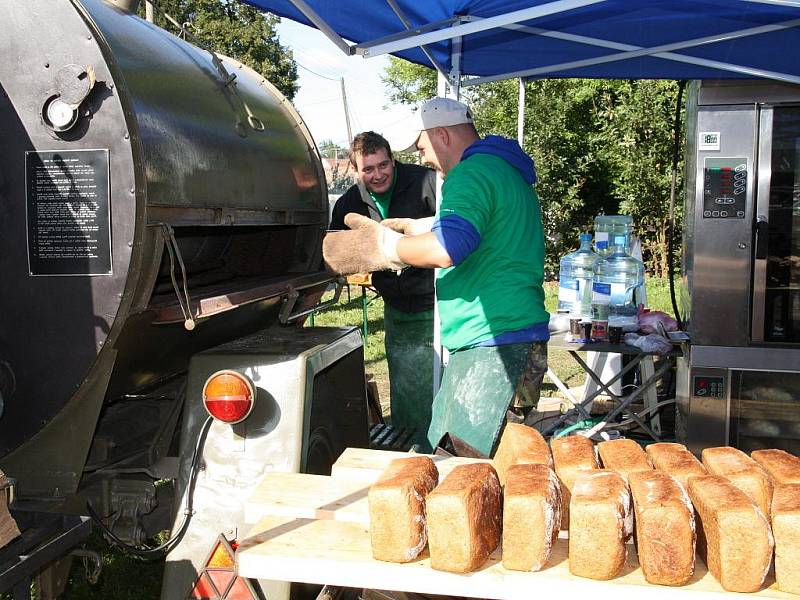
column 436, row 112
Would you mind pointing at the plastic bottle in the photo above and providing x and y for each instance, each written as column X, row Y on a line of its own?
column 575, row 280
column 608, row 227
column 616, row 277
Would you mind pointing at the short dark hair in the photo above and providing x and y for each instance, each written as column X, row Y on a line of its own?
column 368, row 142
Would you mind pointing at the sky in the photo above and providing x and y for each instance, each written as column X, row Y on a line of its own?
column 321, row 65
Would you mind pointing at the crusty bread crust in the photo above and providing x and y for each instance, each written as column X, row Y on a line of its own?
column 520, row 445
column 571, row 456
column 531, row 516
column 398, row 531
column 623, row 456
column 786, row 527
column 781, row 466
column 464, row 518
column 742, row 471
column 675, row 460
column 600, row 523
column 734, row 537
column 665, row 527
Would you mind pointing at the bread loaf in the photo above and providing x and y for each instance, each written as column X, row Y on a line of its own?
column 571, row 456
column 742, row 471
column 464, row 518
column 675, row 460
column 781, row 466
column 520, row 445
column 600, row 522
column 397, row 530
column 734, row 537
column 531, row 516
column 786, row 527
column 623, row 456
column 665, row 527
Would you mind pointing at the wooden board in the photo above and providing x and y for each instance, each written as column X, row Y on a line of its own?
column 360, row 464
column 338, row 553
column 315, row 529
column 309, row 496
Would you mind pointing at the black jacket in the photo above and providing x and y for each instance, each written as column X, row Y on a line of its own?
column 414, row 197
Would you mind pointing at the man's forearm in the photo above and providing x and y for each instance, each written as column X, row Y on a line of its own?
column 423, row 251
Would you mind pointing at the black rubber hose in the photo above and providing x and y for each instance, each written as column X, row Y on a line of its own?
column 169, row 545
column 676, row 149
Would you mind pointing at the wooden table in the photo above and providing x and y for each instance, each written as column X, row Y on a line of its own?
column 324, row 539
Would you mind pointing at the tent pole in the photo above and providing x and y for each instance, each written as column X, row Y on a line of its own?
column 320, row 24
column 521, row 113
column 407, row 24
column 413, row 39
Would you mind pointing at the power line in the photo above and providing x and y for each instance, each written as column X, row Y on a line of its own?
column 315, row 73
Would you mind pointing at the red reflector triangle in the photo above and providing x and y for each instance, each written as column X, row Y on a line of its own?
column 241, row 590
column 221, row 557
column 203, row 589
column 222, row 579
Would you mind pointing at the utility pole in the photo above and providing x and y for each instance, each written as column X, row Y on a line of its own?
column 148, row 11
column 346, row 114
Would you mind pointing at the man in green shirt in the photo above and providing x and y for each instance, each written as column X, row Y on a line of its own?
column 488, row 242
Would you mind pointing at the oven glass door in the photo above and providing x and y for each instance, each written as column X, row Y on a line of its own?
column 765, row 411
column 778, row 240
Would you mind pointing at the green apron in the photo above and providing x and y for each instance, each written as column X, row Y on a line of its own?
column 409, row 353
column 477, row 388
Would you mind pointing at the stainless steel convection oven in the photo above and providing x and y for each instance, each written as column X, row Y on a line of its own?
column 739, row 383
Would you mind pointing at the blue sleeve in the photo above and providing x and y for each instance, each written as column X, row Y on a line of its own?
column 457, row 236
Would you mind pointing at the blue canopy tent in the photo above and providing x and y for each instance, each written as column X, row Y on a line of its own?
column 476, row 41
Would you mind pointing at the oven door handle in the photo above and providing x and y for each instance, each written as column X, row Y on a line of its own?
column 762, row 237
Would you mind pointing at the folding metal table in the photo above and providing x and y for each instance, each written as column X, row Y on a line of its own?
column 624, row 400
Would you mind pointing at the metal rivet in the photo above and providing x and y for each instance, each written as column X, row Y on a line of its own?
column 133, row 191
column 88, row 37
column 111, row 86
column 127, row 136
column 46, row 65
column 742, row 246
column 87, row 113
column 130, row 244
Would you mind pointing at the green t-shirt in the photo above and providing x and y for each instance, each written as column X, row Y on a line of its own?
column 498, row 287
column 382, row 200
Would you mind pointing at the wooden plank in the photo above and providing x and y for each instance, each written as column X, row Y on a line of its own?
column 301, row 495
column 338, row 553
column 361, row 464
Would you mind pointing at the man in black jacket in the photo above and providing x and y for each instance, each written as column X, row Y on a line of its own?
column 388, row 189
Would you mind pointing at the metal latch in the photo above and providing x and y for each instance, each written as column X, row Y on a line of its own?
column 290, row 299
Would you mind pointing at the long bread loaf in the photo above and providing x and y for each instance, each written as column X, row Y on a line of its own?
column 665, row 527
column 734, row 537
column 531, row 516
column 398, row 531
column 464, row 518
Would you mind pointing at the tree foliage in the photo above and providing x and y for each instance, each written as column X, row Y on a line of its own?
column 600, row 146
column 236, row 30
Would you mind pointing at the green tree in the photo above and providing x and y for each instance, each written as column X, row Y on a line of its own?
column 330, row 149
column 236, row 30
column 637, row 129
column 407, row 82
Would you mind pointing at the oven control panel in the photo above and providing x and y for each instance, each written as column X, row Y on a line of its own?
column 704, row 386
column 724, row 188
